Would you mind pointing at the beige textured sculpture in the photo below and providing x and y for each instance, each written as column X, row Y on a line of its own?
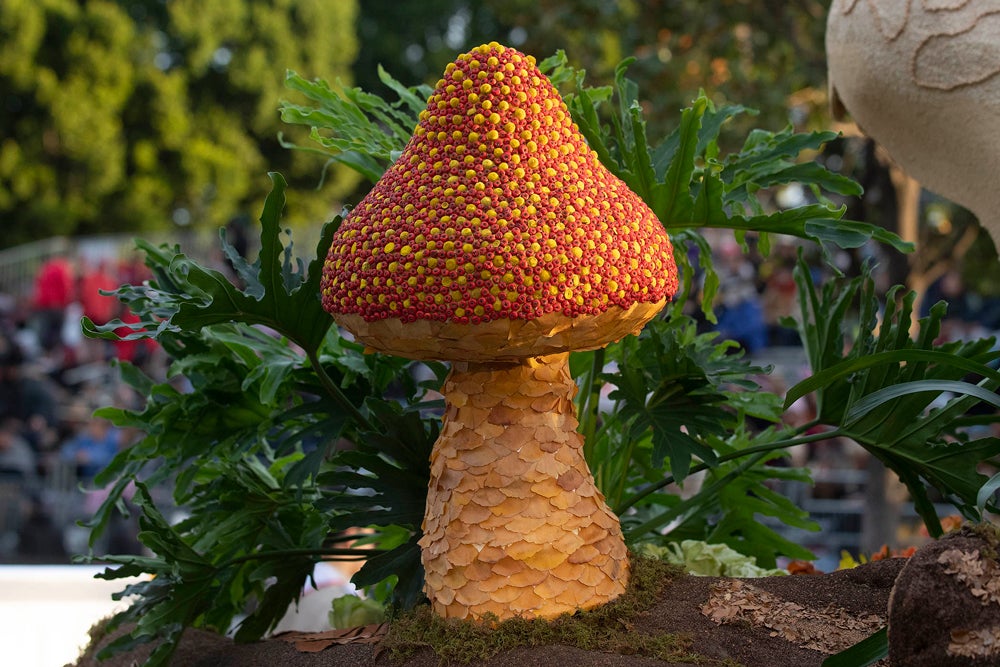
column 922, row 77
column 498, row 241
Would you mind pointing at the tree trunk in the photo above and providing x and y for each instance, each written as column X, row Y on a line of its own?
column 514, row 524
column 880, row 520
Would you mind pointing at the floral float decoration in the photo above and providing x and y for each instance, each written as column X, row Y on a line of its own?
column 498, row 242
column 922, row 77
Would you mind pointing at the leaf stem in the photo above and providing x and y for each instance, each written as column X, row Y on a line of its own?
column 685, row 507
column 589, row 403
column 759, row 449
column 623, row 477
column 336, row 394
column 343, row 554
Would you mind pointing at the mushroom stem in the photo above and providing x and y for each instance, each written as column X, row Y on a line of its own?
column 514, row 523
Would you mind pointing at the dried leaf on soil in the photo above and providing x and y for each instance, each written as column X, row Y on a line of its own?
column 983, row 643
column 828, row 630
column 980, row 575
column 314, row 642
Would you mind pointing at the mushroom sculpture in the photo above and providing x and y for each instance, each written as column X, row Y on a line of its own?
column 923, row 79
column 498, row 242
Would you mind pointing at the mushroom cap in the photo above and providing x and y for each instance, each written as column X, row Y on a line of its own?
column 497, row 234
column 922, row 81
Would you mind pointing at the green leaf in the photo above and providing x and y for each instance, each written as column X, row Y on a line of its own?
column 866, row 652
column 900, row 397
column 848, row 367
column 735, row 495
column 289, row 576
column 688, row 184
column 670, row 378
column 986, row 493
column 287, row 297
column 415, row 98
column 383, row 482
column 277, row 296
column 711, row 125
column 674, row 383
column 353, row 127
column 584, row 105
column 812, row 173
column 403, row 560
column 685, row 509
column 886, row 395
column 671, row 200
column 352, row 611
column 243, row 446
column 558, row 70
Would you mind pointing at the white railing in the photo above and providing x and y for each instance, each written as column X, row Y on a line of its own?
column 20, row 264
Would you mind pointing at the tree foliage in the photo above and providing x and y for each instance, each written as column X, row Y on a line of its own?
column 415, row 40
column 735, row 50
column 120, row 116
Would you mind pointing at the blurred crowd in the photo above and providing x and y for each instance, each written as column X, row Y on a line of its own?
column 757, row 295
column 52, row 379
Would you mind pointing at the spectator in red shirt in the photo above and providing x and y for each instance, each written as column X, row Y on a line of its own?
column 136, row 351
column 54, row 292
column 97, row 306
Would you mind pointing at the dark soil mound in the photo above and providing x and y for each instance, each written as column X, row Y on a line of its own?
column 945, row 608
column 794, row 621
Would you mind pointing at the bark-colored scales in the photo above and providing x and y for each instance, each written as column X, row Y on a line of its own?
column 514, row 521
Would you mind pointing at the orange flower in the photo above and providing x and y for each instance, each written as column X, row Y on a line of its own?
column 802, row 567
column 881, row 554
column 948, row 524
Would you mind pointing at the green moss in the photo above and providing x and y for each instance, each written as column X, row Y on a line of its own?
column 97, row 633
column 989, row 533
column 606, row 628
